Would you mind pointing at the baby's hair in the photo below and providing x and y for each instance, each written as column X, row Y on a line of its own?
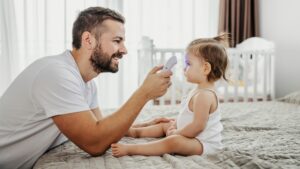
column 213, row 51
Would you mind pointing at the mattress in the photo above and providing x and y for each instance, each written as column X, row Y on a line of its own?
column 255, row 135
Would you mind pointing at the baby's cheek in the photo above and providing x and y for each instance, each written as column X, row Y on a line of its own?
column 186, row 71
column 186, row 74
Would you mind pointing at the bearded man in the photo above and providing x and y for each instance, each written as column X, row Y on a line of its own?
column 55, row 99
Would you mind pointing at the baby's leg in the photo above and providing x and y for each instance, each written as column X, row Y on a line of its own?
column 157, row 130
column 173, row 144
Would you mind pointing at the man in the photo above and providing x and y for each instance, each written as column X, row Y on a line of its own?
column 54, row 99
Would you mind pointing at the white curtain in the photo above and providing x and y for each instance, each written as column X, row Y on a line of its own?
column 171, row 23
column 31, row 29
column 10, row 65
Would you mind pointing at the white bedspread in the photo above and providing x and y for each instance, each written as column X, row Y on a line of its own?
column 256, row 135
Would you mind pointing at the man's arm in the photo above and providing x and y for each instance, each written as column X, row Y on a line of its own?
column 95, row 136
column 97, row 113
column 152, row 122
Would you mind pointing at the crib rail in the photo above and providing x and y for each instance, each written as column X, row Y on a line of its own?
column 250, row 72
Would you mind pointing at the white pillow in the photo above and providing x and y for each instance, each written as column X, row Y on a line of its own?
column 291, row 98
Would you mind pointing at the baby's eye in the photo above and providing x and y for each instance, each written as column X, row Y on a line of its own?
column 187, row 63
column 186, row 60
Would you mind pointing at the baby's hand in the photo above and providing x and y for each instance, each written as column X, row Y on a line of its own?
column 173, row 123
column 171, row 130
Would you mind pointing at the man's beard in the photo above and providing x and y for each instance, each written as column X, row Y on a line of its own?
column 102, row 62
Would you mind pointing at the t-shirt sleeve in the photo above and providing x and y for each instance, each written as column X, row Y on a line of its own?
column 58, row 91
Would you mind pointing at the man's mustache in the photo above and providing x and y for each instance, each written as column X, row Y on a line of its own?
column 117, row 55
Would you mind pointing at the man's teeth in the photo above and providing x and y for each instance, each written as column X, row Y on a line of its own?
column 116, row 60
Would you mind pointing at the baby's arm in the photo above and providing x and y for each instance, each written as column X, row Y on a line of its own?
column 201, row 104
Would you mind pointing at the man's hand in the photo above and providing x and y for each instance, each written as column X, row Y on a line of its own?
column 156, row 84
column 159, row 120
column 172, row 129
column 153, row 122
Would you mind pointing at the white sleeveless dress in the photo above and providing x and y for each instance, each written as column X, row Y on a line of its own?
column 210, row 137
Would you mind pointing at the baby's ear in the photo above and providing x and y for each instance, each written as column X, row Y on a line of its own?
column 207, row 68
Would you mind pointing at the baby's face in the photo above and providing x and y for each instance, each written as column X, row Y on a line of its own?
column 194, row 70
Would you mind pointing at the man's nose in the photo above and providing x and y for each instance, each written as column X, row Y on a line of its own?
column 123, row 49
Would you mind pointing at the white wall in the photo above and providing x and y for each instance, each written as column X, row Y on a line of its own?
column 280, row 23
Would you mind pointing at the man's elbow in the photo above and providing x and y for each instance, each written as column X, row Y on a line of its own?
column 95, row 151
column 93, row 147
column 96, row 145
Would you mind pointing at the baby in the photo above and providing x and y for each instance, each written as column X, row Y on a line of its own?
column 197, row 129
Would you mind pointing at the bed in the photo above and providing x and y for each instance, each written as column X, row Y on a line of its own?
column 256, row 135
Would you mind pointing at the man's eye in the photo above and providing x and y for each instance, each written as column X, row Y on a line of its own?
column 117, row 41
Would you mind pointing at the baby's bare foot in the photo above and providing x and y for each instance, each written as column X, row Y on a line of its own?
column 119, row 150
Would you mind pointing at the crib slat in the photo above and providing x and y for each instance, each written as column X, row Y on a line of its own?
column 183, row 89
column 269, row 84
column 265, row 77
column 225, row 85
column 173, row 86
column 236, row 57
column 154, row 61
column 184, row 83
column 255, row 76
column 272, row 71
column 162, row 61
column 245, row 75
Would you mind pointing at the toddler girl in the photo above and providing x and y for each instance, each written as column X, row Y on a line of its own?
column 197, row 129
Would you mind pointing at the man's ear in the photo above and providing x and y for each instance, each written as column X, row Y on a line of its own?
column 207, row 68
column 88, row 40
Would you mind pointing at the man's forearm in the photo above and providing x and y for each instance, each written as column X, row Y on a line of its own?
column 113, row 127
column 139, row 125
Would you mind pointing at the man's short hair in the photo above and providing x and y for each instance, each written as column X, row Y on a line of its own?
column 90, row 19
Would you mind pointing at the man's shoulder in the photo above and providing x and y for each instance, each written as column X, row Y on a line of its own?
column 54, row 60
column 56, row 64
column 57, row 68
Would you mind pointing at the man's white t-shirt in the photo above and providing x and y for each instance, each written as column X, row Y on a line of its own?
column 50, row 86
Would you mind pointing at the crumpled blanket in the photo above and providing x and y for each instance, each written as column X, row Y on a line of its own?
column 256, row 135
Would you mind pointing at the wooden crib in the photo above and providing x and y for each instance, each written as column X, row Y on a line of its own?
column 251, row 71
